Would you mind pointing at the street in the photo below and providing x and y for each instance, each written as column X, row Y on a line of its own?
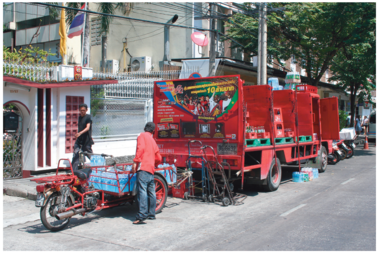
column 337, row 211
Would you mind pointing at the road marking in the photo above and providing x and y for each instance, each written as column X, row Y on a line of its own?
column 292, row 210
column 21, row 220
column 351, row 179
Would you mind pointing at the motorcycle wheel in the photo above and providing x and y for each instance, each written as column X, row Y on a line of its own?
column 350, row 153
column 344, row 154
column 50, row 210
column 337, row 156
column 334, row 160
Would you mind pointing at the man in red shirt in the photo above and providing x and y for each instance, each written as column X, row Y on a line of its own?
column 147, row 155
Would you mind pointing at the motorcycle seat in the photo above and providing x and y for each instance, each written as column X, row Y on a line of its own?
column 83, row 173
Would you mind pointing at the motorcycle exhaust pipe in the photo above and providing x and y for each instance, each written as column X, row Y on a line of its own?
column 61, row 216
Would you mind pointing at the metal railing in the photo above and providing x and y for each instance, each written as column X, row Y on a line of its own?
column 36, row 72
column 135, row 84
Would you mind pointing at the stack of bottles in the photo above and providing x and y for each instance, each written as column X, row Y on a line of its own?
column 306, row 175
column 169, row 174
column 97, row 160
column 274, row 83
column 106, row 180
column 292, row 79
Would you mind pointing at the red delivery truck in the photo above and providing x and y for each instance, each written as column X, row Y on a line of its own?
column 253, row 129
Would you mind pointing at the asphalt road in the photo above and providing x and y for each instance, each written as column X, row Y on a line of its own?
column 337, row 211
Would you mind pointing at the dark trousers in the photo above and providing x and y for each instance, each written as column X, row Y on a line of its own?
column 145, row 195
column 75, row 156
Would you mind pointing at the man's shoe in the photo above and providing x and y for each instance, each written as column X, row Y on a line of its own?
column 139, row 222
column 151, row 218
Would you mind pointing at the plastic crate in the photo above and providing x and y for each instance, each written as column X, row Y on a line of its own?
column 257, row 142
column 286, row 140
column 304, row 139
column 306, row 88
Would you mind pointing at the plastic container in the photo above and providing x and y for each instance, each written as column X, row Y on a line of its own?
column 296, row 177
column 304, row 177
column 315, row 173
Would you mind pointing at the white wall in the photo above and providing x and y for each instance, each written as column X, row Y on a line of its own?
column 29, row 138
column 145, row 39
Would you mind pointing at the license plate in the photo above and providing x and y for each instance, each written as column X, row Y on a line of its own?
column 40, row 199
column 225, row 148
column 353, row 145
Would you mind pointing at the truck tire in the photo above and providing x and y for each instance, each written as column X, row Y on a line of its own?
column 274, row 176
column 324, row 160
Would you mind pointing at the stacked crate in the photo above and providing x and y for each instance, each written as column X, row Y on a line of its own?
column 72, row 117
column 278, row 123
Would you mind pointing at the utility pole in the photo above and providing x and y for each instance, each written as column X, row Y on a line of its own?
column 262, row 45
column 212, row 49
column 103, row 52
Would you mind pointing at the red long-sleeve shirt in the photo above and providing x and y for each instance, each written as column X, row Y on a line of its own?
column 147, row 153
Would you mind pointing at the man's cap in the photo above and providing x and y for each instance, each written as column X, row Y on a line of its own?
column 150, row 127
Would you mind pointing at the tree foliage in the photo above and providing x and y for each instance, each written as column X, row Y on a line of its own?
column 354, row 69
column 311, row 32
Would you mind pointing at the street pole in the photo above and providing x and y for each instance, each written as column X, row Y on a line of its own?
column 104, row 51
column 125, row 42
column 264, row 45
column 212, row 49
column 259, row 46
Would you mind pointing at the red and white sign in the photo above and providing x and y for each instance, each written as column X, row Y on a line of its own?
column 199, row 39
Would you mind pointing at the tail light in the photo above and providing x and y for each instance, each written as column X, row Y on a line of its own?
column 231, row 162
column 40, row 188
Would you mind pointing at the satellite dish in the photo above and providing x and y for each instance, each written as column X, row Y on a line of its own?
column 199, row 39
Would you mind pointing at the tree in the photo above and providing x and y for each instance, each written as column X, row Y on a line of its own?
column 244, row 29
column 354, row 69
column 312, row 33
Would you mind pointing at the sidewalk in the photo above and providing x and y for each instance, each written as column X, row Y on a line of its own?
column 27, row 189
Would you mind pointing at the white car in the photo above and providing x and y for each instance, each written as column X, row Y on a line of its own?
column 371, row 134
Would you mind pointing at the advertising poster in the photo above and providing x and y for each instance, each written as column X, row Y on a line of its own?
column 197, row 108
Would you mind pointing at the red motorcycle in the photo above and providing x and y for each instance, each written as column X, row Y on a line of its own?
column 92, row 189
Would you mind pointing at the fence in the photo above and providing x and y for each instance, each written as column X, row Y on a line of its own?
column 135, row 84
column 37, row 72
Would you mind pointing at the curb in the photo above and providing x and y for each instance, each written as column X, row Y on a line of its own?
column 19, row 193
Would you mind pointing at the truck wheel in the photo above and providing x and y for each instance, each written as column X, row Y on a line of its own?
column 324, row 160
column 274, row 176
column 160, row 193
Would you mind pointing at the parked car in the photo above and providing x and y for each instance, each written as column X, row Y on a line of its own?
column 371, row 134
